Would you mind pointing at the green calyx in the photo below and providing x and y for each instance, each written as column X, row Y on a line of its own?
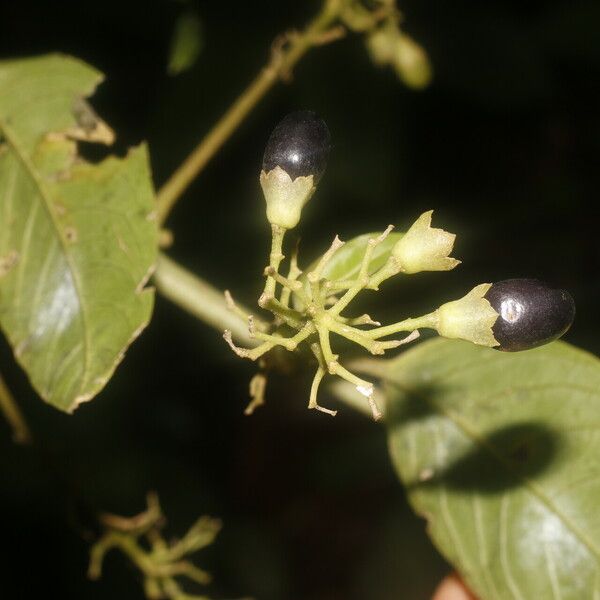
column 425, row 248
column 471, row 318
column 285, row 197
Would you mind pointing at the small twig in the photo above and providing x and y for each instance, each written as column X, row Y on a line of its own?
column 362, row 279
column 256, row 389
column 363, row 320
column 201, row 534
column 253, row 354
column 139, row 523
column 270, row 341
column 275, row 258
column 358, row 337
column 331, row 35
column 314, row 277
column 346, row 393
column 290, row 316
column 335, row 368
column 12, row 413
column 242, row 314
column 314, row 389
column 428, row 321
column 293, row 274
column 281, row 63
column 139, row 538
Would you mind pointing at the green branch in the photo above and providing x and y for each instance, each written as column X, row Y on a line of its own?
column 279, row 67
column 199, row 298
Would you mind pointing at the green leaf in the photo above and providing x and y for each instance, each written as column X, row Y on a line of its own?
column 186, row 43
column 78, row 241
column 499, row 452
column 345, row 263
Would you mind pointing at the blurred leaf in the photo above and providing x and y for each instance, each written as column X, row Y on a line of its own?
column 345, row 263
column 77, row 240
column 186, row 43
column 499, row 452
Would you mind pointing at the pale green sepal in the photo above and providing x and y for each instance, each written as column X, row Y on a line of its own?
column 471, row 318
column 285, row 198
column 425, row 248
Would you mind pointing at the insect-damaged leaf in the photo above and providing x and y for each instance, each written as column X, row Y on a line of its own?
column 499, row 452
column 77, row 240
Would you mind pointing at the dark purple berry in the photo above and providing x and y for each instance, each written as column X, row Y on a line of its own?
column 299, row 144
column 531, row 313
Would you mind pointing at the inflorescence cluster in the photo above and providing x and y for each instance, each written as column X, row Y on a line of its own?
column 511, row 315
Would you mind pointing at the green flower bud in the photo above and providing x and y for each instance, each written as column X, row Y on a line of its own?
column 424, row 248
column 294, row 160
column 411, row 63
column 388, row 45
column 381, row 44
column 471, row 318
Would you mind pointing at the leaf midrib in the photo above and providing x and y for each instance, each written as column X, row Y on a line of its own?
column 470, row 432
column 11, row 139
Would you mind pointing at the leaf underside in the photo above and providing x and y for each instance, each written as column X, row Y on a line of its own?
column 499, row 453
column 77, row 240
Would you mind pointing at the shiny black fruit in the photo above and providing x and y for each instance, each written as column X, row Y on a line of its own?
column 531, row 313
column 299, row 144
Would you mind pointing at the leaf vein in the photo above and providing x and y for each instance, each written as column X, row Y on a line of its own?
column 43, row 194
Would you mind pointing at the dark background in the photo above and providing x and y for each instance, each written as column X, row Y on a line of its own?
column 505, row 146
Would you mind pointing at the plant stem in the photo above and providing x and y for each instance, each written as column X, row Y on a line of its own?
column 428, row 321
column 13, row 415
column 199, row 298
column 362, row 279
column 345, row 392
column 281, row 64
column 205, row 302
column 275, row 258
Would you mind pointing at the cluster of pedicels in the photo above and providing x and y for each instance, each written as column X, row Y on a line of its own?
column 511, row 315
